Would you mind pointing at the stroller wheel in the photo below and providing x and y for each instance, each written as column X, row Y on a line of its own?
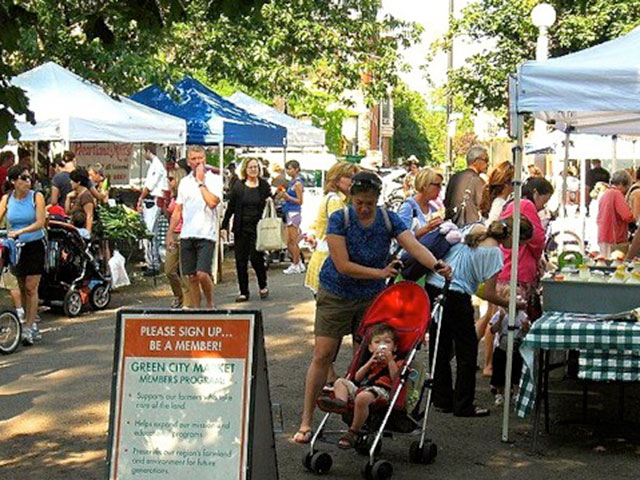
column 72, row 303
column 321, row 462
column 425, row 455
column 380, row 470
column 100, row 296
column 10, row 332
column 306, row 460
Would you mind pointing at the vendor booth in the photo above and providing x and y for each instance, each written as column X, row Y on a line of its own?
column 71, row 110
column 592, row 91
column 213, row 120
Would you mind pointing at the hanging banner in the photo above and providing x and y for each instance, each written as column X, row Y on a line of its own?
column 190, row 397
column 115, row 159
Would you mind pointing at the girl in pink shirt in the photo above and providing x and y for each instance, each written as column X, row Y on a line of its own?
column 536, row 192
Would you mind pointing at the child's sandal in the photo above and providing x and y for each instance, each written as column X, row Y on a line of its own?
column 349, row 440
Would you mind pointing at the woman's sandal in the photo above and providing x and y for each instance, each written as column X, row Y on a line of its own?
column 349, row 440
column 302, row 436
column 264, row 293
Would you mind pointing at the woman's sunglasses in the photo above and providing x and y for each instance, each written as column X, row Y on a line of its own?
column 25, row 178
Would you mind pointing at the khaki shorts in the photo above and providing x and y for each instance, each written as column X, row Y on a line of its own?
column 9, row 281
column 337, row 317
column 353, row 390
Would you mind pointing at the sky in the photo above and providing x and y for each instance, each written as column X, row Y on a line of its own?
column 433, row 16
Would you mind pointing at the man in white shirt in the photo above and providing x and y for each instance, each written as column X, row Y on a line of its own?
column 149, row 204
column 199, row 193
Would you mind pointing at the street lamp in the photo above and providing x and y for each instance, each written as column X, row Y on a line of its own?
column 543, row 16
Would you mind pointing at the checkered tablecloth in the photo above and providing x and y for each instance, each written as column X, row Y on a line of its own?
column 608, row 350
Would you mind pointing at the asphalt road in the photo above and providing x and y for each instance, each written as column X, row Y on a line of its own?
column 54, row 403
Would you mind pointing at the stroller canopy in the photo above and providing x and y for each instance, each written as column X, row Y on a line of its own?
column 405, row 307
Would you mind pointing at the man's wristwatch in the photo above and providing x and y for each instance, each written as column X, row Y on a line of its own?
column 200, row 184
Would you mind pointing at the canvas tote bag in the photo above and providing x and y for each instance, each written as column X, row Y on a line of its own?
column 270, row 234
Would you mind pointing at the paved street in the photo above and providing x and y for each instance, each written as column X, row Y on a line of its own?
column 54, row 401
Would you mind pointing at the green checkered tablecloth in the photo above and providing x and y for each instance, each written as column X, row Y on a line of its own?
column 608, row 350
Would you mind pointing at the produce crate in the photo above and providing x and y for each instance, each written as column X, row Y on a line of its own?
column 589, row 297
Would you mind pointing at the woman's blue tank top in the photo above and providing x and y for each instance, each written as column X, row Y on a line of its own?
column 22, row 213
column 288, row 205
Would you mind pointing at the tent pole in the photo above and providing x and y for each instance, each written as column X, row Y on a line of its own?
column 513, row 282
column 565, row 171
column 583, row 200
column 614, row 153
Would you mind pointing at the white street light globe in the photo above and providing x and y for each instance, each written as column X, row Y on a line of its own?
column 543, row 15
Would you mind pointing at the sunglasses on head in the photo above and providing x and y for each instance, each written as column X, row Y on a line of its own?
column 366, row 182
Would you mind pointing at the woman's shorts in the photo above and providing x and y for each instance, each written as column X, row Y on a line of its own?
column 337, row 317
column 293, row 219
column 31, row 261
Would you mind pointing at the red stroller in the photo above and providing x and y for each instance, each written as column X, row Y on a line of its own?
column 406, row 308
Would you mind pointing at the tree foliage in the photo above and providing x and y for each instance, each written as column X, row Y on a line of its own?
column 507, row 25
column 268, row 48
column 420, row 127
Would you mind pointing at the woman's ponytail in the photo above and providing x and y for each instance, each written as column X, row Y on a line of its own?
column 500, row 230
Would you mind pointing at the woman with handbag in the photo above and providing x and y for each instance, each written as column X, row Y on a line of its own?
column 247, row 200
column 336, row 191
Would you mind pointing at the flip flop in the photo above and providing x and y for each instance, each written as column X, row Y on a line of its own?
column 302, row 436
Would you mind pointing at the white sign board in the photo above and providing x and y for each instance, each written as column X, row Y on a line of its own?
column 182, row 396
column 114, row 157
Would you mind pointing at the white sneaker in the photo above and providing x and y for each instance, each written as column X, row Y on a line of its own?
column 301, row 268
column 499, row 400
column 291, row 270
column 35, row 332
column 27, row 336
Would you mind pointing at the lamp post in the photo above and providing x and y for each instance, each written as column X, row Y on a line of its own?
column 543, row 16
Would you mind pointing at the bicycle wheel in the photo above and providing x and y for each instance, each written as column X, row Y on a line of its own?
column 10, row 332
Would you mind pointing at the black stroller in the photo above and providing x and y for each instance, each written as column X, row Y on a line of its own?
column 75, row 272
column 406, row 308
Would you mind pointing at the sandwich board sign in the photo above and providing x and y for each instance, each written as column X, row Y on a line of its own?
column 190, row 397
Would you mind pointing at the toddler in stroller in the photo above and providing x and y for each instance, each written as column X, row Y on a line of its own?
column 371, row 383
column 382, row 393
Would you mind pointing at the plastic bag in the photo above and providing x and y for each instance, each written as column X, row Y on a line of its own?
column 119, row 277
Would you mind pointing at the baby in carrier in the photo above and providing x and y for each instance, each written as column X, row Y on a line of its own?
column 372, row 381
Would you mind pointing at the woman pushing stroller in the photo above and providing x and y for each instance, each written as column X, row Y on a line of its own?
column 359, row 238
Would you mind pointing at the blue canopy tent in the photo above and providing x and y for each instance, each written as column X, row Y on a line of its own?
column 211, row 119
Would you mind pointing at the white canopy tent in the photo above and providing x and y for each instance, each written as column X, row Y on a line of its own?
column 299, row 134
column 70, row 109
column 597, row 91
